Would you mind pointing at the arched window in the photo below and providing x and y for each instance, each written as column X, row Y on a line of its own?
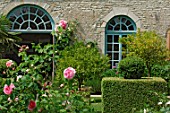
column 30, row 18
column 34, row 23
column 118, row 27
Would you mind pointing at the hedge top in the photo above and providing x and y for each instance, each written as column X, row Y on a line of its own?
column 144, row 79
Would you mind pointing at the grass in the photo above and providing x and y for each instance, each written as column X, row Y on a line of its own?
column 96, row 103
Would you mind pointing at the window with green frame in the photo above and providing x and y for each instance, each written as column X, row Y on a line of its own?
column 118, row 27
column 30, row 18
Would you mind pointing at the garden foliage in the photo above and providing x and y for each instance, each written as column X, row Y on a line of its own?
column 131, row 67
column 88, row 62
column 8, row 40
column 147, row 45
column 30, row 88
column 121, row 95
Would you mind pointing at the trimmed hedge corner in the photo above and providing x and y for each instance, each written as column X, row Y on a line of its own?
column 121, row 95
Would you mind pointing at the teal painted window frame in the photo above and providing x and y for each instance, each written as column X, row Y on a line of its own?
column 29, row 18
column 117, row 27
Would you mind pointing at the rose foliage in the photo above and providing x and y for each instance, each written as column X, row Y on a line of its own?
column 31, row 89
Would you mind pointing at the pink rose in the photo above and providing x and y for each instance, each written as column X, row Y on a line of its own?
column 8, row 89
column 9, row 63
column 12, row 85
column 69, row 73
column 63, row 24
column 31, row 105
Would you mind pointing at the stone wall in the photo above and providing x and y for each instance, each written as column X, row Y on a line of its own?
column 152, row 14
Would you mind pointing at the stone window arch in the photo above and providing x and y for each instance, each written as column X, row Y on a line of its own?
column 30, row 18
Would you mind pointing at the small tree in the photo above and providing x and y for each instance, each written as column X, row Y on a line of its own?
column 87, row 60
column 7, row 39
column 148, row 46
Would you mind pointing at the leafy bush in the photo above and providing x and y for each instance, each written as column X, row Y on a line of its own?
column 30, row 88
column 126, row 95
column 88, row 62
column 4, row 69
column 131, row 67
column 161, row 70
column 147, row 45
column 111, row 73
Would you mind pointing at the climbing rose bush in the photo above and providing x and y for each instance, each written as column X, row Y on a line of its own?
column 34, row 89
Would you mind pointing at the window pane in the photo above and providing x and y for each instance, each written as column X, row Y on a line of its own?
column 110, row 55
column 111, row 64
column 131, row 27
column 25, row 10
column 115, row 63
column 109, row 47
column 45, row 18
column 116, row 38
column 116, row 47
column 110, row 27
column 113, row 22
column 38, row 20
column 25, row 17
column 32, row 17
column 124, row 27
column 40, row 13
column 32, row 25
column 19, row 20
column 12, row 18
column 41, row 26
column 109, row 38
column 128, row 22
column 16, row 26
column 117, row 27
column 25, row 25
column 48, row 26
column 116, row 56
column 124, row 20
column 33, row 9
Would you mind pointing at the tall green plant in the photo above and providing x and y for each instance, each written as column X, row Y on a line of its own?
column 147, row 45
column 88, row 62
column 7, row 39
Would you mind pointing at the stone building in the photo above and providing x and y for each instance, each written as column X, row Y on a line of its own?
column 104, row 21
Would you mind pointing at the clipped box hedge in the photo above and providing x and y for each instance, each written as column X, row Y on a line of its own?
column 121, row 95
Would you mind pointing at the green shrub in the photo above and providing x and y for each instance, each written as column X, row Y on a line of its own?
column 162, row 70
column 131, row 67
column 125, row 95
column 88, row 62
column 147, row 45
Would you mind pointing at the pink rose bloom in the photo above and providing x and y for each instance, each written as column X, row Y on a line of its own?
column 31, row 105
column 9, row 63
column 69, row 73
column 63, row 24
column 12, row 85
column 8, row 89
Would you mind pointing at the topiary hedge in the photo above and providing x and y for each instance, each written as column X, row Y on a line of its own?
column 121, row 95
